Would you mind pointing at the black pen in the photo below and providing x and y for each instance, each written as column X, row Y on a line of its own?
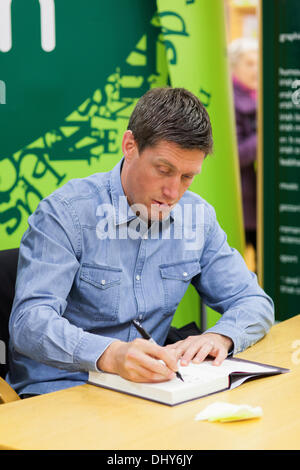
column 146, row 335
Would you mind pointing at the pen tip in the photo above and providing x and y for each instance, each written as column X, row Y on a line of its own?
column 179, row 376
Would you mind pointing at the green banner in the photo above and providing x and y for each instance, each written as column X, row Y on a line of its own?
column 281, row 155
column 195, row 38
column 70, row 78
column 66, row 109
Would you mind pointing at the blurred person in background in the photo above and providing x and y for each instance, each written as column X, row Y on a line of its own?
column 243, row 57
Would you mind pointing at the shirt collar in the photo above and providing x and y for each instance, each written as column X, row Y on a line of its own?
column 122, row 210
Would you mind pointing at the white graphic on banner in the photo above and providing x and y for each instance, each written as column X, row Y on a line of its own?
column 47, row 24
column 296, row 94
column 2, row 92
column 47, row 8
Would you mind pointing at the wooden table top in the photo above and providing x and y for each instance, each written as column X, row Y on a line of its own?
column 89, row 417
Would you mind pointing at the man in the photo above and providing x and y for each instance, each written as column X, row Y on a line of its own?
column 113, row 247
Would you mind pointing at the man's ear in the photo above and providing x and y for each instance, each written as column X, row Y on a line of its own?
column 129, row 146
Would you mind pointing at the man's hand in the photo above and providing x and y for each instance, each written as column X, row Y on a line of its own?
column 139, row 361
column 197, row 348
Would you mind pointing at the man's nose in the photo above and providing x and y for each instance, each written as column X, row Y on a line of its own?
column 171, row 189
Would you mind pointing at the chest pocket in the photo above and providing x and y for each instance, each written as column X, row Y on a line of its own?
column 100, row 290
column 175, row 280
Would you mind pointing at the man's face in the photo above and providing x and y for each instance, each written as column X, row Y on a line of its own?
column 157, row 177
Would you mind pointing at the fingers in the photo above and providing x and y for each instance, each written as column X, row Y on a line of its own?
column 205, row 350
column 222, row 354
column 198, row 348
column 151, row 361
column 144, row 361
column 169, row 357
column 138, row 373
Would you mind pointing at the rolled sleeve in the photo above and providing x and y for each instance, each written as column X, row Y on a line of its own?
column 89, row 349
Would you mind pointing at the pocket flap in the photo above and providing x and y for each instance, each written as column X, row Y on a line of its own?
column 182, row 271
column 99, row 276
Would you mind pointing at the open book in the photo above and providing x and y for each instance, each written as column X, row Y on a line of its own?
column 199, row 380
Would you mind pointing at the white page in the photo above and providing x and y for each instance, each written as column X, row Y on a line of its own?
column 241, row 366
column 205, row 372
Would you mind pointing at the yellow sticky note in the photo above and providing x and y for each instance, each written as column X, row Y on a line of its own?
column 226, row 412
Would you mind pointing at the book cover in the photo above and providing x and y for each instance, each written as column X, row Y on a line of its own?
column 199, row 380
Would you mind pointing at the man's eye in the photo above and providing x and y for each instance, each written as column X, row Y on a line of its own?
column 188, row 177
column 163, row 171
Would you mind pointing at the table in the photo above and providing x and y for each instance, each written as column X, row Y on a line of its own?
column 88, row 417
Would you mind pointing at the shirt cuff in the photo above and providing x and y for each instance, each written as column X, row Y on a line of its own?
column 233, row 333
column 89, row 349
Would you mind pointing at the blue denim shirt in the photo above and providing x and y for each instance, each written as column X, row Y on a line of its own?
column 88, row 267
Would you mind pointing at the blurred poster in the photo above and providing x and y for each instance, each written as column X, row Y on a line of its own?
column 280, row 167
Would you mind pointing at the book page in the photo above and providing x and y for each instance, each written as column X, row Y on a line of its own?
column 205, row 372
column 194, row 374
column 248, row 367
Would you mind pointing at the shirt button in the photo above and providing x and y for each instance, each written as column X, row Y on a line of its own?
column 184, row 274
column 103, row 282
column 137, row 277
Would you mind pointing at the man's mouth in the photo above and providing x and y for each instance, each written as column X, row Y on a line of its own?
column 161, row 204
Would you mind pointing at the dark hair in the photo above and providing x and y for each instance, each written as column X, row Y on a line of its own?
column 174, row 115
